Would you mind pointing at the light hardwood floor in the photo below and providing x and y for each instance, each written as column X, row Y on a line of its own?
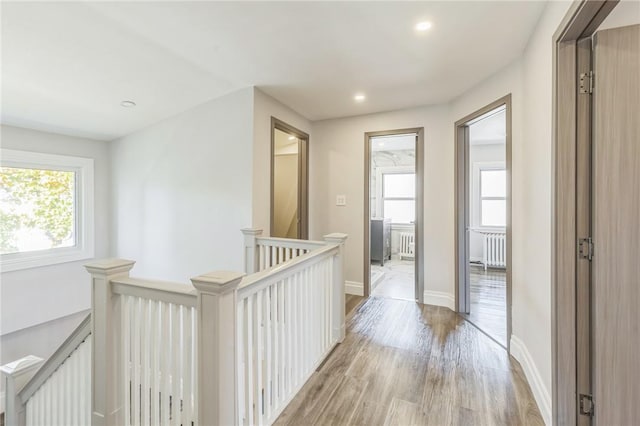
column 403, row 363
column 489, row 302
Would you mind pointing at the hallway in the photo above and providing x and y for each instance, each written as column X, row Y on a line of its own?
column 407, row 364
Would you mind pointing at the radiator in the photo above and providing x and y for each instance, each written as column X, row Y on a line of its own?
column 407, row 245
column 494, row 251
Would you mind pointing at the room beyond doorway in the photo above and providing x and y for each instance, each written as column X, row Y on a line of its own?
column 393, row 211
column 483, row 219
column 289, row 181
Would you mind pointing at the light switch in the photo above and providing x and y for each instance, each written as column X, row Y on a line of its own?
column 341, row 200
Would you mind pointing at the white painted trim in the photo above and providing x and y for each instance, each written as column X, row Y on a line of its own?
column 84, row 209
column 520, row 352
column 353, row 287
column 2, row 397
column 439, row 298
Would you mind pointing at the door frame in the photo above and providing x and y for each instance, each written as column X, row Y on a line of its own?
column 461, row 206
column 419, row 223
column 303, row 176
column 570, row 280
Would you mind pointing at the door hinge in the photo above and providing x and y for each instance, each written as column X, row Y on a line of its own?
column 585, row 248
column 587, row 406
column 586, row 82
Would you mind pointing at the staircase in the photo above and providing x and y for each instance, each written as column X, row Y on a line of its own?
column 232, row 348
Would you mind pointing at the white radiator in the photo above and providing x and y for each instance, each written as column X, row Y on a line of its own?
column 407, row 245
column 494, row 251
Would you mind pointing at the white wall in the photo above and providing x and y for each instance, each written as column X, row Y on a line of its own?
column 478, row 154
column 182, row 190
column 37, row 295
column 39, row 307
column 265, row 107
column 337, row 167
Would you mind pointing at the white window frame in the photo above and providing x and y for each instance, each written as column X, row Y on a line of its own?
column 380, row 172
column 84, row 209
column 478, row 168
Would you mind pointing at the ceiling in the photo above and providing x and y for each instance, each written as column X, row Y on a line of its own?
column 490, row 129
column 67, row 66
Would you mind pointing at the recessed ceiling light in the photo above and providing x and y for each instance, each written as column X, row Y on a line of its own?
column 359, row 97
column 291, row 138
column 128, row 104
column 423, row 26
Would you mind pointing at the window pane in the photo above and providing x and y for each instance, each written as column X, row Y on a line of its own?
column 37, row 209
column 400, row 211
column 493, row 183
column 494, row 213
column 398, row 185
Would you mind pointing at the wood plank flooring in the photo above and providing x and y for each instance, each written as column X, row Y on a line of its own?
column 489, row 302
column 403, row 363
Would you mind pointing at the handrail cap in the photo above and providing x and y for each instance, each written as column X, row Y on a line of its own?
column 251, row 231
column 336, row 237
column 21, row 365
column 109, row 266
column 217, row 281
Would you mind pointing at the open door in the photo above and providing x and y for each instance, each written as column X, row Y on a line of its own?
column 289, row 181
column 615, row 251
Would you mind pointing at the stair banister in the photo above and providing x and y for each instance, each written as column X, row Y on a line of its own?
column 339, row 284
column 105, row 403
column 217, row 369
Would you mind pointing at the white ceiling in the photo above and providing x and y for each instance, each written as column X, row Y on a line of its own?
column 491, row 129
column 393, row 142
column 67, row 66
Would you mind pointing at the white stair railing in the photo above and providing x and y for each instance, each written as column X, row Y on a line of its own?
column 59, row 392
column 265, row 252
column 233, row 350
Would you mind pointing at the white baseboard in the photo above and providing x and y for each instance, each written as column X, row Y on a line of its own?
column 439, row 298
column 355, row 288
column 540, row 392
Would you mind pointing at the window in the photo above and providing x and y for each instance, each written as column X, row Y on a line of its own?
column 46, row 209
column 493, row 201
column 398, row 197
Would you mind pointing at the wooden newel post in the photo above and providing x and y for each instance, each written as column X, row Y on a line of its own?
column 251, row 253
column 17, row 374
column 105, row 329
column 217, row 369
column 338, row 286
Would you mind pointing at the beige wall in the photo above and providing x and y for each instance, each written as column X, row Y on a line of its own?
column 264, row 107
column 337, row 161
column 337, row 167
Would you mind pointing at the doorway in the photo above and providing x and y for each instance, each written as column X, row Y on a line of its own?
column 289, row 181
column 483, row 219
column 393, row 214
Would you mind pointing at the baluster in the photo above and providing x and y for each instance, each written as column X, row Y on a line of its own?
column 187, row 365
column 250, row 360
column 166, row 359
column 155, row 347
column 288, row 321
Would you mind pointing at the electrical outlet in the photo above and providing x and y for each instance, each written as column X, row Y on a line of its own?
column 341, row 200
